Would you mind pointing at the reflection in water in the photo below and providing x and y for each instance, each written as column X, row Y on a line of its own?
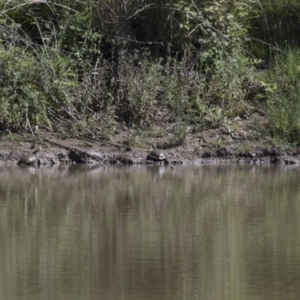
column 218, row 232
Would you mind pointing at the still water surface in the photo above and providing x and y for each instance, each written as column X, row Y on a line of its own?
column 226, row 232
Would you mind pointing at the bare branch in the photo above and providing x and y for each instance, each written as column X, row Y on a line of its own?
column 136, row 41
column 140, row 10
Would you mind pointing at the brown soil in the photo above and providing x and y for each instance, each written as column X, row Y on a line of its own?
column 236, row 141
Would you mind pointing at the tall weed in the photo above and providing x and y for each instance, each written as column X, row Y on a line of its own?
column 283, row 106
column 31, row 84
column 274, row 25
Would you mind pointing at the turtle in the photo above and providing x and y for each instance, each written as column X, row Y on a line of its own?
column 156, row 155
column 29, row 159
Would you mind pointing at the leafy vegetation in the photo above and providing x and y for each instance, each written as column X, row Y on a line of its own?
column 283, row 106
column 89, row 66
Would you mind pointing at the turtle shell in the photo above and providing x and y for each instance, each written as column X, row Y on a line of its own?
column 28, row 159
column 156, row 156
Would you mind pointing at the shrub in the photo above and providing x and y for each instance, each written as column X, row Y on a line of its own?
column 31, row 84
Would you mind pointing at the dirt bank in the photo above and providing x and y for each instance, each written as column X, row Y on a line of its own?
column 235, row 141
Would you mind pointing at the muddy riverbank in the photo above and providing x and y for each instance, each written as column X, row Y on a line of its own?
column 218, row 146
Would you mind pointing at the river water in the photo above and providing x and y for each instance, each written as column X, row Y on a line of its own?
column 110, row 232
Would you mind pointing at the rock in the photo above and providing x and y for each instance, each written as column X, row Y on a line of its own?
column 290, row 161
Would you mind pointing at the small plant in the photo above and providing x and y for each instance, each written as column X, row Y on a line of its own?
column 132, row 137
column 180, row 132
column 243, row 148
column 218, row 143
